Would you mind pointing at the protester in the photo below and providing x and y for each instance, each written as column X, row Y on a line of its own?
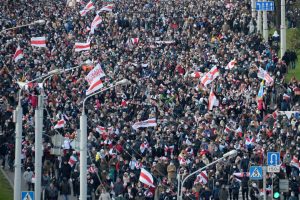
column 202, row 83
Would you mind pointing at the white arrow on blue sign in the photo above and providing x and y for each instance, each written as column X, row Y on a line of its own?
column 273, row 158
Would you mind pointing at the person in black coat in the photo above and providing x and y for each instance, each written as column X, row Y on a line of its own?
column 65, row 170
column 65, row 188
column 3, row 153
column 75, row 182
column 245, row 188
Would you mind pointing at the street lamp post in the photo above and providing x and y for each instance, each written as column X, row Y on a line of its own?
column 180, row 193
column 38, row 22
column 18, row 114
column 83, row 142
column 39, row 116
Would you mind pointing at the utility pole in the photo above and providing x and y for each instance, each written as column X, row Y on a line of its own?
column 18, row 147
column 264, row 181
column 282, row 30
column 259, row 22
column 38, row 147
column 253, row 8
column 83, row 156
column 265, row 25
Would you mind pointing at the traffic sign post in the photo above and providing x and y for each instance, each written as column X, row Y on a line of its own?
column 256, row 173
column 273, row 158
column 27, row 195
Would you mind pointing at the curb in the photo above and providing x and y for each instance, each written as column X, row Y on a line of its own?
column 7, row 178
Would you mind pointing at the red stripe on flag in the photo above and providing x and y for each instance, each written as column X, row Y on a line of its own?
column 38, row 42
column 82, row 46
column 146, row 178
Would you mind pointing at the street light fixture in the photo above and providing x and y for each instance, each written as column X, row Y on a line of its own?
column 83, row 141
column 37, row 22
column 39, row 116
column 18, row 114
column 179, row 192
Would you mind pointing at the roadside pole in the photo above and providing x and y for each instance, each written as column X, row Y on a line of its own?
column 282, row 30
column 265, row 26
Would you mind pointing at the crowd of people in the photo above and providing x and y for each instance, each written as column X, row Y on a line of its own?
column 163, row 48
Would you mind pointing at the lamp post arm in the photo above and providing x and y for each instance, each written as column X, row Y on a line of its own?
column 105, row 89
column 201, row 169
column 16, row 27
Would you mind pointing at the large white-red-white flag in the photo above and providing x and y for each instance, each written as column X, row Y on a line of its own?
column 81, row 46
column 212, row 100
column 97, row 20
column 18, row 54
column 38, row 41
column 107, row 8
column 87, row 8
column 60, row 124
column 210, row 76
column 144, row 124
column 95, row 73
column 146, row 178
column 263, row 74
column 231, row 64
column 95, row 85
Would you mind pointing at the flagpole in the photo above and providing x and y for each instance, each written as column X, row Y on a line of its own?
column 83, row 141
column 228, row 154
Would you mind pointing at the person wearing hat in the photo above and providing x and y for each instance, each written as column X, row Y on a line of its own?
column 27, row 176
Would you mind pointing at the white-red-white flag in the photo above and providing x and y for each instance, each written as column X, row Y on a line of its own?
column 82, row 46
column 146, row 178
column 250, row 141
column 95, row 73
column 72, row 161
column 196, row 74
column 38, row 41
column 97, row 20
column 95, row 86
column 60, row 124
column 134, row 40
column 210, row 76
column 202, row 178
column 263, row 74
column 212, row 100
column 87, row 8
column 231, row 64
column 144, row 146
column 144, row 124
column 18, row 54
column 107, row 8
